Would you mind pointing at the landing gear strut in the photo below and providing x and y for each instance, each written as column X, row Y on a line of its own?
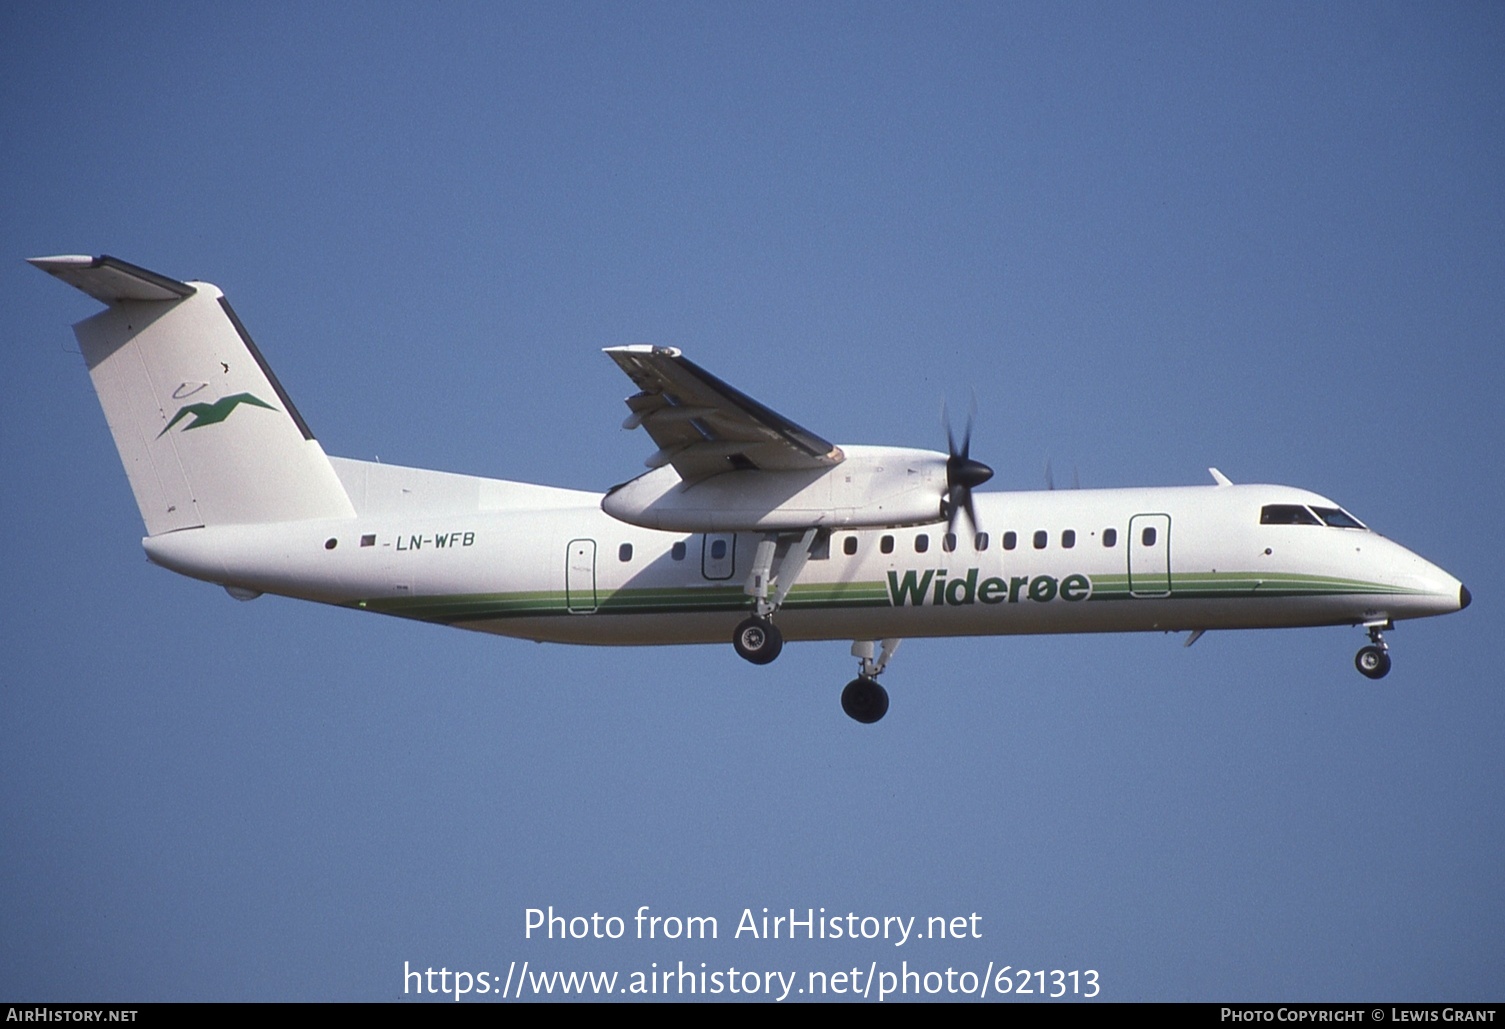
column 1374, row 660
column 863, row 699
column 757, row 639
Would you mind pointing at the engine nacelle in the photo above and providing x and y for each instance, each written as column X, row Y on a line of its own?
column 873, row 487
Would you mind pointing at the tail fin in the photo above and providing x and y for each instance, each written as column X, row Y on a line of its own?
column 206, row 433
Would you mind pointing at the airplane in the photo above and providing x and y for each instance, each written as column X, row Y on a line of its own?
column 746, row 527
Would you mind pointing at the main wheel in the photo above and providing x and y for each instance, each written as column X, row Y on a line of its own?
column 1373, row 662
column 758, row 640
column 864, row 700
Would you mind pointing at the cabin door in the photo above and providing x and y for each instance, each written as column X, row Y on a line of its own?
column 718, row 555
column 580, row 577
column 1150, row 555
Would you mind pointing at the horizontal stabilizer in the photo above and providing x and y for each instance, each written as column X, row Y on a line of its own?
column 111, row 280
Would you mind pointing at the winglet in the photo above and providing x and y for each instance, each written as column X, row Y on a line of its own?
column 1221, row 480
column 111, row 280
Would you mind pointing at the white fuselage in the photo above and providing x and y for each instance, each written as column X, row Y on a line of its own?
column 549, row 564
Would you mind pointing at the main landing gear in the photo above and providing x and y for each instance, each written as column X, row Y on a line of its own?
column 757, row 639
column 1374, row 660
column 863, row 699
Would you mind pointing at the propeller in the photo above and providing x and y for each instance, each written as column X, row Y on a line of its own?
column 1050, row 479
column 962, row 473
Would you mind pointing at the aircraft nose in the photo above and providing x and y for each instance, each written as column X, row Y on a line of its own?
column 1465, row 598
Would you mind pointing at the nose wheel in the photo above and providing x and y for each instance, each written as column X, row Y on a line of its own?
column 1373, row 661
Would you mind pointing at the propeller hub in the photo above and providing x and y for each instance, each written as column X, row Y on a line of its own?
column 963, row 471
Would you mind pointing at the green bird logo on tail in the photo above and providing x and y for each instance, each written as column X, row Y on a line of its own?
column 212, row 414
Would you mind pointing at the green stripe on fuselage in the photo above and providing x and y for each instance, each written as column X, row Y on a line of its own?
column 1186, row 586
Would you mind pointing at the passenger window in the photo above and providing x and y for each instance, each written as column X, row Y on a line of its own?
column 980, row 542
column 1110, row 537
column 1148, row 537
column 1286, row 514
column 1010, row 540
column 921, row 543
column 849, row 546
column 624, row 552
column 677, row 552
column 948, row 542
column 1041, row 539
column 820, row 550
column 886, row 544
column 718, row 550
column 1068, row 538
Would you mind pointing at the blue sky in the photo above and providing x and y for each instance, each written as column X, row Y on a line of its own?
column 1150, row 237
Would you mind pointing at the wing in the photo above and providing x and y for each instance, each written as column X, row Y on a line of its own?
column 704, row 427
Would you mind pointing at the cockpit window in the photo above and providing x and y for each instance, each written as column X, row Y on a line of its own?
column 1286, row 514
column 1338, row 518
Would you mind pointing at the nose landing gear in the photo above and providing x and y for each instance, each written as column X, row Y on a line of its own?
column 1374, row 660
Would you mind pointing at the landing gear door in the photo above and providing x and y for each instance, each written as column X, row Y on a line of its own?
column 718, row 555
column 1150, row 555
column 580, row 577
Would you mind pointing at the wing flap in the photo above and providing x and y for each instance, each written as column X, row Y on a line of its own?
column 704, row 426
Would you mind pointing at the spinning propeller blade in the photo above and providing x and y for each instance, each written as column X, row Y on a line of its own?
column 962, row 473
